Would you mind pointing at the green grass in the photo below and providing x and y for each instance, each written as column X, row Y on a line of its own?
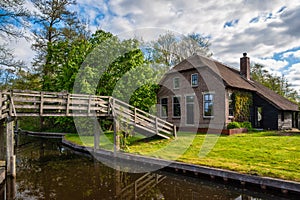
column 265, row 154
column 106, row 139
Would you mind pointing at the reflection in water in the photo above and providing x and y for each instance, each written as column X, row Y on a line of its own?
column 47, row 170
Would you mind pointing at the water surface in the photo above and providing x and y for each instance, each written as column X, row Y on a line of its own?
column 48, row 170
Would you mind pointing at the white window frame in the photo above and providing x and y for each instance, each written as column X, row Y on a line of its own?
column 197, row 80
column 173, row 106
column 174, row 85
column 161, row 107
column 213, row 103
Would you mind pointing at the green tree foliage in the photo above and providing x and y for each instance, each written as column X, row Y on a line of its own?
column 169, row 49
column 55, row 23
column 278, row 84
column 109, row 60
column 139, row 86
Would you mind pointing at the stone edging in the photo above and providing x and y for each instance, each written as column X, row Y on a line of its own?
column 264, row 182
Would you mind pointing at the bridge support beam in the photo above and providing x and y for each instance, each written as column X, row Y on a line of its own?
column 116, row 135
column 2, row 140
column 10, row 156
column 96, row 131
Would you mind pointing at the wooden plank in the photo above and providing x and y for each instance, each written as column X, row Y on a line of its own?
column 54, row 107
column 163, row 126
column 26, row 99
column 54, row 100
column 79, row 101
column 27, row 106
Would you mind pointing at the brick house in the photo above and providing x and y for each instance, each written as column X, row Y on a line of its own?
column 201, row 93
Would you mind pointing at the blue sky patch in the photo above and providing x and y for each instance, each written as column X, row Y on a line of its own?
column 291, row 59
column 254, row 20
column 231, row 23
column 281, row 9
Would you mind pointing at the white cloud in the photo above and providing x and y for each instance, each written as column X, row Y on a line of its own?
column 276, row 28
column 295, row 54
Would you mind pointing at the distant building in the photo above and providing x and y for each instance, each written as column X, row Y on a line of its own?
column 202, row 93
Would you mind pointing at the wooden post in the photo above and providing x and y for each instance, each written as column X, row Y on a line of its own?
column 10, row 157
column 116, row 136
column 156, row 126
column 68, row 105
column 2, row 141
column 41, row 104
column 1, row 104
column 135, row 117
column 174, row 131
column 118, row 180
column 96, row 135
column 11, row 188
column 89, row 104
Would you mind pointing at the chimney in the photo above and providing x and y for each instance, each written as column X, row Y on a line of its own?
column 245, row 66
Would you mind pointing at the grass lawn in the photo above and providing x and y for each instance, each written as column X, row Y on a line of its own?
column 265, row 153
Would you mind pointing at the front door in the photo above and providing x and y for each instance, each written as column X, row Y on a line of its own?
column 189, row 110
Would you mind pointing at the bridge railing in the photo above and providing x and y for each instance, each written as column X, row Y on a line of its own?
column 146, row 121
column 19, row 103
column 33, row 103
column 4, row 104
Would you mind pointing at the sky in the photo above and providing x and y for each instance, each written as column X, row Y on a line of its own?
column 268, row 30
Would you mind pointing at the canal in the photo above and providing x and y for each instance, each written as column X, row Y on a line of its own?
column 48, row 170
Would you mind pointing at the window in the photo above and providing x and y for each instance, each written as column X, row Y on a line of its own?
column 230, row 104
column 194, row 80
column 208, row 105
column 176, row 107
column 164, row 107
column 176, row 83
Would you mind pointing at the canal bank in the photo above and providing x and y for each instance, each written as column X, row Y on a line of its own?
column 244, row 180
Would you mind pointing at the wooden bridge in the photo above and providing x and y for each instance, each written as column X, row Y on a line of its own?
column 140, row 186
column 17, row 103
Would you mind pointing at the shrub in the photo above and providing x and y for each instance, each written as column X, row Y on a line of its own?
column 233, row 125
column 246, row 125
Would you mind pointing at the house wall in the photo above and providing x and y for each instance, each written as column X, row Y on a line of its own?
column 208, row 82
column 269, row 116
column 285, row 121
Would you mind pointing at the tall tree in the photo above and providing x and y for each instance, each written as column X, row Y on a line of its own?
column 13, row 21
column 278, row 84
column 55, row 22
column 108, row 61
column 170, row 49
